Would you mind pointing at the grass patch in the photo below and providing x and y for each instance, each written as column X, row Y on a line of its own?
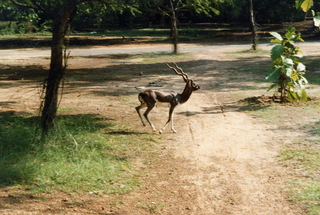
column 306, row 158
column 87, row 154
column 309, row 193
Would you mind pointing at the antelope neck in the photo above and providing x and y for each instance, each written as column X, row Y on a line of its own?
column 185, row 95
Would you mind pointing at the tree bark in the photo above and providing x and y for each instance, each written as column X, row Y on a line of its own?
column 253, row 28
column 174, row 33
column 56, row 72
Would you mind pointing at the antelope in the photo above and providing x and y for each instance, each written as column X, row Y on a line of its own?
column 149, row 98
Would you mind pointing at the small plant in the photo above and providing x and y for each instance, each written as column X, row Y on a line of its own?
column 287, row 73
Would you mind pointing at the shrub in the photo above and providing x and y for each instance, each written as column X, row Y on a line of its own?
column 287, row 72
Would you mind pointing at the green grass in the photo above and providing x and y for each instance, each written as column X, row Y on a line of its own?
column 87, row 154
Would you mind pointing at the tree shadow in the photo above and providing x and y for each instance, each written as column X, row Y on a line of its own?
column 22, row 72
column 123, row 78
column 123, row 132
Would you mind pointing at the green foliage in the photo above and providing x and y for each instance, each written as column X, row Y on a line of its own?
column 305, row 5
column 287, row 72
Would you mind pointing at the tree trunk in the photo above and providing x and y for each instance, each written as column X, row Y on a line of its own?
column 253, row 28
column 56, row 72
column 174, row 33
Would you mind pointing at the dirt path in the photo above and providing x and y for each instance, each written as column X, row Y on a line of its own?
column 232, row 165
column 232, row 158
column 223, row 164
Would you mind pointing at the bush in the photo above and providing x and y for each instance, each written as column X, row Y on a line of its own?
column 287, row 73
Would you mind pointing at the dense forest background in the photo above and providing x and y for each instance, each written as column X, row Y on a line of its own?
column 96, row 16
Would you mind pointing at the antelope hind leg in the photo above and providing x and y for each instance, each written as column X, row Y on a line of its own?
column 146, row 116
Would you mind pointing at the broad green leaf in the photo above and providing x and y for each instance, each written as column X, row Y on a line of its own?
column 287, row 61
column 316, row 21
column 275, row 41
column 293, row 96
column 274, row 75
column 301, row 67
column 288, row 72
column 306, row 5
column 276, row 35
column 302, row 81
column 276, row 52
column 271, row 87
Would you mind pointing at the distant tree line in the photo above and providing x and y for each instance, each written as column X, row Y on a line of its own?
column 93, row 15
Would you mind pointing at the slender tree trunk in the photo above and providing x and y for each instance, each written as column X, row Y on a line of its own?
column 174, row 33
column 56, row 72
column 174, row 28
column 253, row 27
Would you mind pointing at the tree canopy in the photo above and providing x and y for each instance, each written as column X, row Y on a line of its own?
column 125, row 13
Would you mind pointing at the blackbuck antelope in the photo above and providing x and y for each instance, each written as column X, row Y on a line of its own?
column 149, row 98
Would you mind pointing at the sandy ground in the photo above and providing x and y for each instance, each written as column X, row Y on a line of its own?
column 222, row 161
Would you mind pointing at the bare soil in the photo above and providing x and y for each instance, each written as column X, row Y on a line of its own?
column 222, row 160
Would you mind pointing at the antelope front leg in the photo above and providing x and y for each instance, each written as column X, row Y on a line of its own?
column 172, row 127
column 170, row 119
